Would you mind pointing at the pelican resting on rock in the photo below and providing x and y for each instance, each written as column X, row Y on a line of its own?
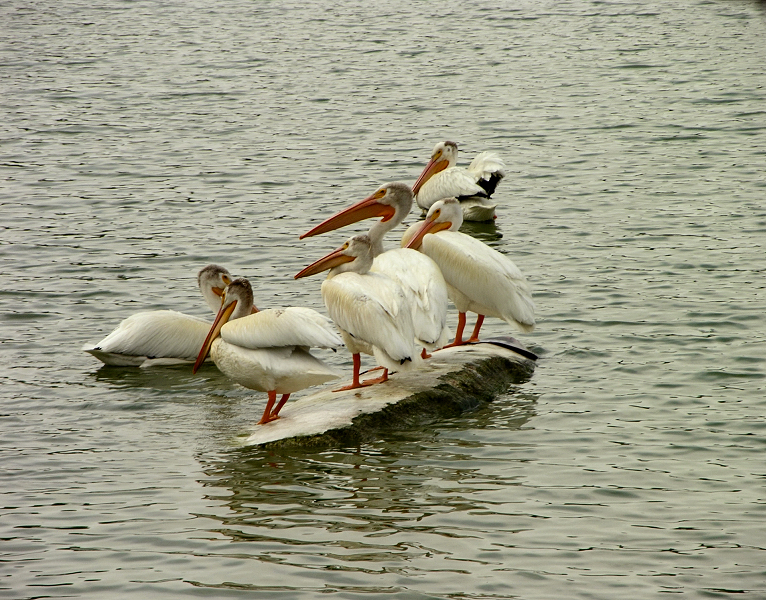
column 473, row 187
column 268, row 351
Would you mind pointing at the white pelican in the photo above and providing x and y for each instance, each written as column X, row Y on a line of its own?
column 472, row 186
column 162, row 337
column 268, row 351
column 479, row 278
column 369, row 308
column 418, row 275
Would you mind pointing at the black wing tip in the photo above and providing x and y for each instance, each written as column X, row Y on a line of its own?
column 510, row 343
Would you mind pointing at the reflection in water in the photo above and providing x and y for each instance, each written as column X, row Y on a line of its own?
column 162, row 378
column 368, row 509
column 486, row 231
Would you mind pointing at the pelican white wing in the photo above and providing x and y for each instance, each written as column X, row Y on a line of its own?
column 454, row 181
column 373, row 308
column 292, row 326
column 426, row 291
column 482, row 279
column 151, row 338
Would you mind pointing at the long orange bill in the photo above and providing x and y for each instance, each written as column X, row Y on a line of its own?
column 432, row 168
column 364, row 209
column 335, row 258
column 220, row 320
column 428, row 226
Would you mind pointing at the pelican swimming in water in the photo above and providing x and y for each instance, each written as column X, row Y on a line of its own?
column 472, row 186
column 369, row 308
column 268, row 351
column 162, row 337
column 479, row 278
column 418, row 275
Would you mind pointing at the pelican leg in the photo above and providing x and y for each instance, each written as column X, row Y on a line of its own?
column 275, row 413
column 424, row 355
column 380, row 379
column 355, row 379
column 459, row 333
column 475, row 335
column 267, row 413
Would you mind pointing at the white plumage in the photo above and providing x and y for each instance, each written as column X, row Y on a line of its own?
column 424, row 286
column 479, row 278
column 473, row 187
column 162, row 337
column 291, row 326
column 268, row 351
column 418, row 276
column 482, row 280
column 370, row 309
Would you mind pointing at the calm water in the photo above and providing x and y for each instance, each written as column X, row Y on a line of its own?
column 143, row 140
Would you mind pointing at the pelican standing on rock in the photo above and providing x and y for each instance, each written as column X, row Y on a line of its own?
column 369, row 308
column 479, row 278
column 419, row 276
column 162, row 337
column 472, row 186
column 268, row 351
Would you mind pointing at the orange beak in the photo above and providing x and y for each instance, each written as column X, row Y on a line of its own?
column 433, row 167
column 220, row 320
column 364, row 209
column 428, row 226
column 335, row 258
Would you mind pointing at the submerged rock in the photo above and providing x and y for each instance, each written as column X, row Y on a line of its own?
column 452, row 381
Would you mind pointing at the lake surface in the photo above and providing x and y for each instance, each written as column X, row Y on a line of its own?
column 143, row 140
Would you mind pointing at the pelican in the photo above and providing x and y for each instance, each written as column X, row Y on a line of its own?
column 162, row 337
column 369, row 308
column 418, row 275
column 472, row 186
column 479, row 278
column 268, row 351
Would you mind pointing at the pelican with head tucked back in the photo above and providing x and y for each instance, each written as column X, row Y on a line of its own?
column 369, row 308
column 162, row 337
column 479, row 278
column 417, row 275
column 268, row 351
column 441, row 178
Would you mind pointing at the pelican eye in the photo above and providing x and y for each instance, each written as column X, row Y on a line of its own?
column 437, row 154
column 379, row 194
column 226, row 279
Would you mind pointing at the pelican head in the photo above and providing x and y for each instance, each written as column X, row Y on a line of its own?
column 236, row 302
column 393, row 200
column 212, row 280
column 354, row 255
column 443, row 157
column 443, row 214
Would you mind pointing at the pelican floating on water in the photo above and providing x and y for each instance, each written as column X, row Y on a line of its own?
column 418, row 276
column 162, row 337
column 369, row 308
column 472, row 186
column 479, row 278
column 268, row 351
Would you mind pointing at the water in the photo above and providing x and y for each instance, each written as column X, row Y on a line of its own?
column 143, row 140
